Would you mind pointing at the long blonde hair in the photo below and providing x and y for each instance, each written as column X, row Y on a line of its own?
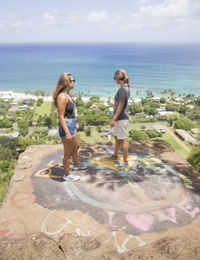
column 62, row 83
column 122, row 75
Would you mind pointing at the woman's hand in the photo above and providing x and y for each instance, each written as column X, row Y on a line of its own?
column 112, row 123
column 68, row 137
column 77, row 126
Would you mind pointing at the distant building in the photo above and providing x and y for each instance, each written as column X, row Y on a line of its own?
column 140, row 115
column 24, row 107
column 191, row 106
column 94, row 107
column 54, row 133
column 159, row 129
column 156, row 99
column 185, row 136
column 137, row 100
column 195, row 131
column 165, row 113
column 161, row 109
column 11, row 135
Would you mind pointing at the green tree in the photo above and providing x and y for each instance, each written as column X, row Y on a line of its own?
column 23, row 127
column 163, row 100
column 5, row 122
column 171, row 118
column 184, row 123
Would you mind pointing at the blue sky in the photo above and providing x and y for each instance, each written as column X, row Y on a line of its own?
column 100, row 21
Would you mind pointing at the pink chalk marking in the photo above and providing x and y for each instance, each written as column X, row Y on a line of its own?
column 197, row 197
column 143, row 222
column 163, row 217
column 111, row 215
column 4, row 232
column 184, row 205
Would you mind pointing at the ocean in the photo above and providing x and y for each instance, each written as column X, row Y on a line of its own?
column 152, row 67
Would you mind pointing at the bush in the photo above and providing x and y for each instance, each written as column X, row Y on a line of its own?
column 184, row 123
column 163, row 100
column 137, row 135
column 194, row 159
column 171, row 107
column 5, row 123
column 152, row 133
column 88, row 131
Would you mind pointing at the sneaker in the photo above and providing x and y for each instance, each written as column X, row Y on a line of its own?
column 80, row 166
column 112, row 158
column 71, row 177
column 122, row 165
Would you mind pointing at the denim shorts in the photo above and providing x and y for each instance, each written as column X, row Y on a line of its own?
column 71, row 124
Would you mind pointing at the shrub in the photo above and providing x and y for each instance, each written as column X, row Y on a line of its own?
column 152, row 133
column 184, row 123
column 137, row 135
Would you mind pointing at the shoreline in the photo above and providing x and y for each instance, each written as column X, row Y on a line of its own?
column 6, row 95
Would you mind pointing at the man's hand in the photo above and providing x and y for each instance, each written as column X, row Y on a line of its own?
column 112, row 123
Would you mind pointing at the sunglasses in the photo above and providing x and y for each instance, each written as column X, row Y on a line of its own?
column 72, row 80
column 118, row 79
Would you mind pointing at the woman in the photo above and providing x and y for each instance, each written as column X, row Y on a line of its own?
column 67, row 124
column 120, row 117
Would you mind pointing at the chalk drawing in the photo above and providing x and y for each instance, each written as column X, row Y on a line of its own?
column 142, row 222
column 6, row 233
column 122, row 248
column 110, row 221
column 163, row 217
column 187, row 208
column 44, row 225
column 68, row 190
column 18, row 198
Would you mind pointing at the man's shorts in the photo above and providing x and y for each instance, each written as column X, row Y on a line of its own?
column 71, row 124
column 119, row 129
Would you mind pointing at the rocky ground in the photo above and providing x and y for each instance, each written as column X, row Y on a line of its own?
column 35, row 226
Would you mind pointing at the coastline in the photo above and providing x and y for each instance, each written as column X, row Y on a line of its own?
column 6, row 95
column 21, row 96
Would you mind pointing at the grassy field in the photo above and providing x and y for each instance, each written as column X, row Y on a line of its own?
column 95, row 137
column 175, row 145
column 45, row 108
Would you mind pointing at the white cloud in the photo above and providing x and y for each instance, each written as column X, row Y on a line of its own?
column 48, row 16
column 98, row 17
column 16, row 24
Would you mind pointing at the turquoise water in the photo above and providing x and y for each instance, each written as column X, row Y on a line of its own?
column 152, row 67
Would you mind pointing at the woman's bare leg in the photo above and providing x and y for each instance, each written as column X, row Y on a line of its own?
column 68, row 148
column 75, row 149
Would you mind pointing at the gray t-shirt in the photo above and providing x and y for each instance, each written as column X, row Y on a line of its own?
column 122, row 95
